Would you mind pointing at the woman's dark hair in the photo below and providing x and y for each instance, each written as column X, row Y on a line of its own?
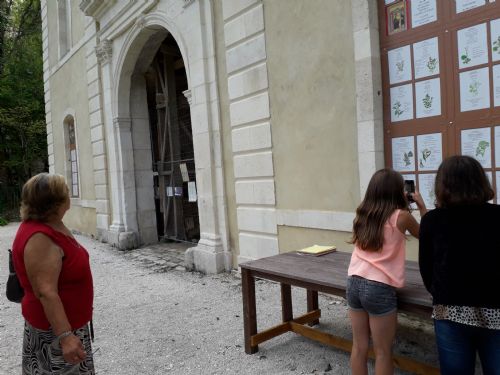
column 42, row 196
column 461, row 181
column 385, row 193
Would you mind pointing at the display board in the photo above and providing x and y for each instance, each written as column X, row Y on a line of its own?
column 441, row 86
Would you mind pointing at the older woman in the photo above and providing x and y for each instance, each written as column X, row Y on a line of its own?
column 459, row 261
column 54, row 270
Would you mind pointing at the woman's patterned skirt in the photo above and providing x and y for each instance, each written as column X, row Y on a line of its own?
column 42, row 357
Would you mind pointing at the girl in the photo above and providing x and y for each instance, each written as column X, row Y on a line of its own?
column 377, row 268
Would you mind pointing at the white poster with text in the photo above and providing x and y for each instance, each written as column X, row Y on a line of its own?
column 403, row 154
column 401, row 103
column 426, row 189
column 430, row 151
column 474, row 90
column 399, row 65
column 477, row 144
column 426, row 58
column 423, row 12
column 472, row 46
column 428, row 98
column 465, row 5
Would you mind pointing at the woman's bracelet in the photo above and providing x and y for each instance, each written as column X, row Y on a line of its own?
column 63, row 335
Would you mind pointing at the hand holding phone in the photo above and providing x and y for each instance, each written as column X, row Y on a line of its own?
column 409, row 189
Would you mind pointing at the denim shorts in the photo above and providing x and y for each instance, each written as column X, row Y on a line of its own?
column 371, row 296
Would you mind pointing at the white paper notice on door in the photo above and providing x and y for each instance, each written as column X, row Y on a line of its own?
column 429, row 151
column 472, row 46
column 426, row 189
column 192, row 195
column 403, row 154
column 423, row 12
column 184, row 172
column 401, row 103
column 465, row 5
column 428, row 98
column 399, row 65
column 495, row 39
column 474, row 90
column 496, row 85
column 426, row 58
column 497, row 147
column 477, row 143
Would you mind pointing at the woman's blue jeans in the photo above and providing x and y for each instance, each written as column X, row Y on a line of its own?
column 458, row 344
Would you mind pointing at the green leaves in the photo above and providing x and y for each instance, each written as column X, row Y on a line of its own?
column 23, row 138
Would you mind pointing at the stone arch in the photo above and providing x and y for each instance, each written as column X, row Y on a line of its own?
column 126, row 143
column 139, row 50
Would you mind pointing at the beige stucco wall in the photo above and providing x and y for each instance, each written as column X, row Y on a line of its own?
column 226, row 130
column 313, row 111
column 77, row 22
column 52, row 28
column 69, row 95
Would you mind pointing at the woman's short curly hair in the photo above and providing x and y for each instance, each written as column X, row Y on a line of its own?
column 42, row 196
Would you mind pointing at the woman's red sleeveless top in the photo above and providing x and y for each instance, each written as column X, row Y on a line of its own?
column 75, row 280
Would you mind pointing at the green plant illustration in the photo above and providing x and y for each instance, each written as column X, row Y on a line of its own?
column 465, row 57
column 496, row 45
column 400, row 65
column 426, row 153
column 474, row 88
column 432, row 64
column 481, row 148
column 427, row 100
column 407, row 157
column 397, row 109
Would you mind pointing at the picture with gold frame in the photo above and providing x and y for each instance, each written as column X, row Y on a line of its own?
column 396, row 17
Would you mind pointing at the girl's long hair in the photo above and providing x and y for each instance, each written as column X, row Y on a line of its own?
column 385, row 194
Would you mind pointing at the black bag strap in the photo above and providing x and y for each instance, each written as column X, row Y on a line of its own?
column 11, row 263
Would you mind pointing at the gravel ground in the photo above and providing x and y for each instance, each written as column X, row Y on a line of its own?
column 154, row 319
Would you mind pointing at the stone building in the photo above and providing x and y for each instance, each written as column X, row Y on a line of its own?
column 248, row 127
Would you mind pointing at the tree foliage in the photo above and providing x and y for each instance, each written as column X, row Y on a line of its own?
column 23, row 138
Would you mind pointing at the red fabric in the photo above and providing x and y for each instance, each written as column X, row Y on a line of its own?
column 75, row 280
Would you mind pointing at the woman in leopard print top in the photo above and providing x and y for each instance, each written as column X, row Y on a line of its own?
column 459, row 261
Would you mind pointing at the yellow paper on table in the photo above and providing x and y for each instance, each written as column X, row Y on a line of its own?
column 317, row 250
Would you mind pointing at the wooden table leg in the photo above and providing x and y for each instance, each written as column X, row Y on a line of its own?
column 312, row 304
column 249, row 310
column 286, row 302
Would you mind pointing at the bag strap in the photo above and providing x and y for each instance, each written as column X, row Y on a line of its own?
column 12, row 270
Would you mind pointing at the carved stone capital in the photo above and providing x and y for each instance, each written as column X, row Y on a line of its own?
column 104, row 51
column 187, row 3
column 187, row 94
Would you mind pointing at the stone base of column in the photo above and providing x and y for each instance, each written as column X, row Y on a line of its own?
column 208, row 257
column 123, row 240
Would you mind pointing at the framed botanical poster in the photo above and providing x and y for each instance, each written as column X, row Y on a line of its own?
column 396, row 17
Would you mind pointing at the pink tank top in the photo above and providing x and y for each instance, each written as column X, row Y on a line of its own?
column 386, row 265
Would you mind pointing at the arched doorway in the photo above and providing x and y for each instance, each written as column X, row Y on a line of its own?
column 172, row 151
column 133, row 162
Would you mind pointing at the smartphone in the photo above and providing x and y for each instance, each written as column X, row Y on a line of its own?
column 409, row 190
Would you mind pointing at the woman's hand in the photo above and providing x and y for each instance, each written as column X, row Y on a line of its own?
column 72, row 349
column 420, row 202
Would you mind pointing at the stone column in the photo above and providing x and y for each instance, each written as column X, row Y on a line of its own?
column 209, row 255
column 97, row 132
column 123, row 229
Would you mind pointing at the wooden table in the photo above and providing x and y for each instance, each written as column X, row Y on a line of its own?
column 327, row 274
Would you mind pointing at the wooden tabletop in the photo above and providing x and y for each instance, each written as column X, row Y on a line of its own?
column 328, row 273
